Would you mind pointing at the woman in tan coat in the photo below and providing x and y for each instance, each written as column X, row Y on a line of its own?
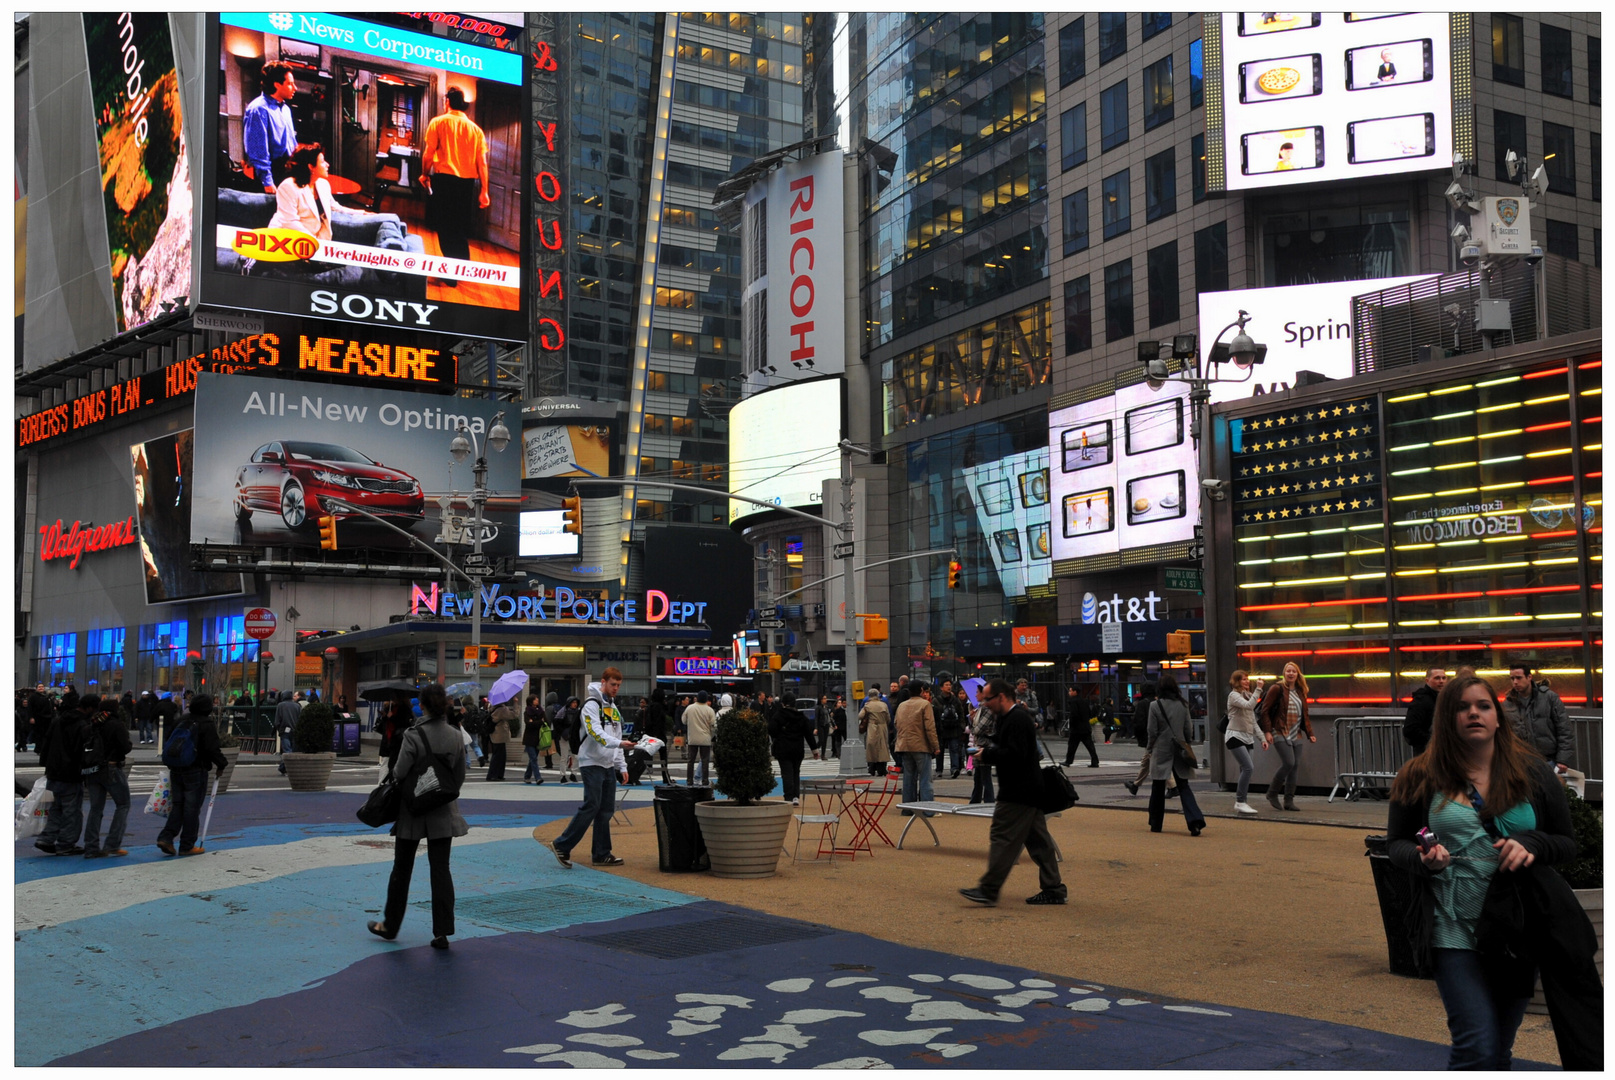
column 874, row 724
column 498, row 738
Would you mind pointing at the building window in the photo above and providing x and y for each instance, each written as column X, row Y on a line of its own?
column 1163, row 274
column 1197, row 73
column 1117, row 211
column 1074, row 215
column 1562, row 239
column 57, row 663
column 1154, row 22
column 1160, row 185
column 1158, row 92
column 1073, row 51
column 1211, row 258
column 1113, row 117
column 1112, row 35
column 1119, row 300
column 1508, row 133
column 1508, row 49
column 1337, row 244
column 1078, row 316
column 1595, row 71
column 1557, row 73
column 1197, row 151
column 1598, row 167
column 1074, row 136
column 1559, row 154
column 162, row 655
column 103, row 661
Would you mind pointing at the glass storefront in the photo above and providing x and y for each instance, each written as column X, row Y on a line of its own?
column 103, row 662
column 57, row 660
column 160, row 663
column 1443, row 525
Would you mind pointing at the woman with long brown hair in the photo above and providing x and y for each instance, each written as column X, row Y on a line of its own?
column 1284, row 717
column 1477, row 820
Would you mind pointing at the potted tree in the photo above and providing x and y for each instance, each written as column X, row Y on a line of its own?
column 309, row 766
column 1585, row 875
column 744, row 835
column 230, row 747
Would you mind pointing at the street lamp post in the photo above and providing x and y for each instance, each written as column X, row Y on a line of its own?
column 463, row 445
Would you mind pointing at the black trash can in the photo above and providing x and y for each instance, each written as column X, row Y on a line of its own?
column 679, row 846
column 1395, row 899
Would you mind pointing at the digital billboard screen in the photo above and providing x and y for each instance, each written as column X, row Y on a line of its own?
column 543, row 533
column 144, row 160
column 1314, row 96
column 163, row 496
column 271, row 454
column 783, row 444
column 1122, row 473
column 365, row 172
column 1011, row 498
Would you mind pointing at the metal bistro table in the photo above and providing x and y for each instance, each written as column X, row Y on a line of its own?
column 860, row 798
column 974, row 810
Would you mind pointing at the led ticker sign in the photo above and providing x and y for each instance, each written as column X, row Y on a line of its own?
column 369, row 358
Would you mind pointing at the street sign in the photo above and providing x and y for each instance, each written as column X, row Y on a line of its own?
column 1191, row 580
column 469, row 667
column 259, row 623
column 1197, row 553
column 1111, row 637
column 771, row 624
column 469, row 652
column 476, row 562
column 842, row 551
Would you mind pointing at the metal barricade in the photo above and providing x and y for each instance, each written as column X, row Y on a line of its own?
column 1369, row 750
column 1588, row 732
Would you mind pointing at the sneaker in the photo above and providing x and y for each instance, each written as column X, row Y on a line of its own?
column 609, row 860
column 165, row 846
column 796, row 802
column 976, row 896
column 1244, row 808
column 197, row 850
column 562, row 857
column 1046, row 898
column 115, row 852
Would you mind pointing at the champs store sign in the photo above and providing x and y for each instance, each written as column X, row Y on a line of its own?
column 72, row 542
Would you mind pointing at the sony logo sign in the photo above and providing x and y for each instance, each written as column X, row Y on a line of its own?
column 359, row 306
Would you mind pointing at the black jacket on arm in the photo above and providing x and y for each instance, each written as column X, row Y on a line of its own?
column 1421, row 714
column 1014, row 752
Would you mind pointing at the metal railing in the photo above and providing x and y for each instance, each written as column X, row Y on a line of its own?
column 1588, row 731
column 1369, row 750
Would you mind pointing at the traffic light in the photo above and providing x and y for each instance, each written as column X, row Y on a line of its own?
column 328, row 533
column 775, row 661
column 572, row 513
column 1178, row 643
column 765, row 662
column 493, row 655
column 954, row 570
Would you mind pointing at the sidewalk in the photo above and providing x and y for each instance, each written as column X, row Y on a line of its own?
column 255, row 953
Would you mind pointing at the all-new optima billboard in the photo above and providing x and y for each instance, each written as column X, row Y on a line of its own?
column 1303, row 97
column 145, row 168
column 1122, row 472
column 273, row 457
column 411, row 213
column 784, row 444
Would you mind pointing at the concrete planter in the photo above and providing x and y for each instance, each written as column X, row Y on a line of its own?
column 309, row 772
column 231, row 754
column 1592, row 902
column 744, row 841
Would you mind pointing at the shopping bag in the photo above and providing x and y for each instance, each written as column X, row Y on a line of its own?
column 34, row 810
column 161, row 799
column 650, row 744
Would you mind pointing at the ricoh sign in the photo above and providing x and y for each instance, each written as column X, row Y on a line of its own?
column 806, row 311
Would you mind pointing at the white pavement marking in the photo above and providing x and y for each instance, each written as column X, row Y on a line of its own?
column 752, row 1051
column 951, row 1050
column 784, row 1034
column 585, row 1059
column 917, row 1037
column 536, row 1048
column 900, row 995
column 790, row 986
column 604, row 1016
column 604, row 1038
column 680, row 1028
column 926, row 978
column 702, row 1014
column 1131, row 1001
column 849, row 980
column 1040, row 984
column 1023, row 998
column 814, row 1016
column 714, row 999
column 650, row 1055
column 1195, row 1009
column 954, row 1010
column 1089, row 1005
column 54, row 901
column 983, row 982
column 856, row 1063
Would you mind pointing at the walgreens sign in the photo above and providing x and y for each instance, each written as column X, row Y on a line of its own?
column 73, row 542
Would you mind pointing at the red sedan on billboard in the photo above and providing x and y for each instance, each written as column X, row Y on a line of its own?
column 294, row 479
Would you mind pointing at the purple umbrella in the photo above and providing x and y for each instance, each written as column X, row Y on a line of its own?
column 509, row 685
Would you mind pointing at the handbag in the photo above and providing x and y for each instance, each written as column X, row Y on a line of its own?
column 381, row 806
column 161, row 799
column 1058, row 792
column 546, row 738
column 1183, row 754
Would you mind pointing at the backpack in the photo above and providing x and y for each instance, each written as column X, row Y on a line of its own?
column 431, row 783
column 179, row 752
column 95, row 751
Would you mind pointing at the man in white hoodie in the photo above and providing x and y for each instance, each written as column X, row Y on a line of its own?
column 601, row 762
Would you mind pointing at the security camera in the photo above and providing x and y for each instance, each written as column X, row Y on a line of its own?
column 1512, row 161
column 1470, row 255
column 1536, row 255
column 1460, row 233
column 1217, row 489
column 1538, row 184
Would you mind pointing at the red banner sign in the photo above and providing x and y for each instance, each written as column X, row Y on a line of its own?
column 74, row 542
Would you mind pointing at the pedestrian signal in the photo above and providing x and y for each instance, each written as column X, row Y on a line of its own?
column 1178, row 643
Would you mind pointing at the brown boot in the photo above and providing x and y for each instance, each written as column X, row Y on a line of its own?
column 1273, row 797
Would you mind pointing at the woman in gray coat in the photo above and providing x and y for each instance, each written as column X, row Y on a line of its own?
column 431, row 736
column 1168, row 723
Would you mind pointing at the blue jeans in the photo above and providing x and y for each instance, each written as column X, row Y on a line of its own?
column 1242, row 754
column 109, row 781
column 189, row 788
column 532, row 764
column 66, row 817
column 599, row 803
column 916, row 776
column 1482, row 1018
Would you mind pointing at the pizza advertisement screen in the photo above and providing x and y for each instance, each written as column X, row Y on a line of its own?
column 1317, row 96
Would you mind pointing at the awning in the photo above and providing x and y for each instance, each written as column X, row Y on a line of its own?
column 423, row 631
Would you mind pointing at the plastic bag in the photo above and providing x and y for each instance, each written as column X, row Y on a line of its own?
column 161, row 799
column 34, row 810
column 650, row 744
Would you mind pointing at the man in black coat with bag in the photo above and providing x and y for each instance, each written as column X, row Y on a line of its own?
column 789, row 730
column 1017, row 821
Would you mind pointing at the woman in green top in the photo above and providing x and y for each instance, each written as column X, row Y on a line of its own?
column 1500, row 820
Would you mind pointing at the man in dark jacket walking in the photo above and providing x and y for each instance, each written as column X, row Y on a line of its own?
column 189, row 782
column 653, row 722
column 286, row 714
column 1079, row 731
column 1017, row 821
column 1539, row 717
column 790, row 730
column 108, row 780
column 1141, row 713
column 61, row 752
column 1422, row 710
